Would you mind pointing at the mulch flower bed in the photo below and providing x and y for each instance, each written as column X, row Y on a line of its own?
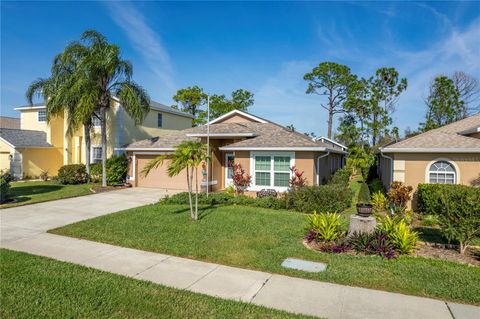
column 447, row 252
column 426, row 250
column 100, row 189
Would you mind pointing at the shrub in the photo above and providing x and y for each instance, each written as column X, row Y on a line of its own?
column 327, row 226
column 117, row 168
column 457, row 208
column 401, row 235
column 330, row 197
column 96, row 172
column 376, row 185
column 399, row 195
column 229, row 189
column 341, row 176
column 72, row 174
column 430, row 220
column 379, row 202
column 363, row 194
column 223, row 198
column 376, row 243
column 5, row 179
column 297, row 179
column 240, row 180
column 44, row 176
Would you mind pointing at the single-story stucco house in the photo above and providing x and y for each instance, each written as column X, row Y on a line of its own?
column 446, row 155
column 265, row 150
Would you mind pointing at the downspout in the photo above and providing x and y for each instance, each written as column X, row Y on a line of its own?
column 318, row 166
column 391, row 164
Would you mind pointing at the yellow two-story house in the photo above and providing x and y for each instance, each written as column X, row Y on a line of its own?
column 40, row 146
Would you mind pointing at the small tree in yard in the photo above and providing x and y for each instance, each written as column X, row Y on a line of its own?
column 459, row 215
column 240, row 180
column 188, row 156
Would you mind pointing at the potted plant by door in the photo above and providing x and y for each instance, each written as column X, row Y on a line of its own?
column 364, row 206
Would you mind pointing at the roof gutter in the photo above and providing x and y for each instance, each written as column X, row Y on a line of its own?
column 430, row 150
column 144, row 149
column 306, row 148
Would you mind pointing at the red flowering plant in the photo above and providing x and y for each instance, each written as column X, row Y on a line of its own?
column 297, row 179
column 241, row 181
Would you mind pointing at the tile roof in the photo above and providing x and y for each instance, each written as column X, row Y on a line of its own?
column 9, row 122
column 268, row 135
column 24, row 138
column 445, row 137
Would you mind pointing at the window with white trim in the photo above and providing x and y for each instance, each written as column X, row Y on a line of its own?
column 272, row 170
column 442, row 172
column 96, row 154
column 96, row 122
column 42, row 116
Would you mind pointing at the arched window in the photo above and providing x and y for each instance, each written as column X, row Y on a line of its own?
column 442, row 172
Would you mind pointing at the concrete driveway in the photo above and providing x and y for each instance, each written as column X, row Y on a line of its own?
column 26, row 221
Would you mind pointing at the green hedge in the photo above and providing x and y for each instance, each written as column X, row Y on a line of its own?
column 72, row 174
column 429, row 196
column 457, row 208
column 117, row 168
column 341, row 176
column 364, row 194
column 322, row 198
column 222, row 198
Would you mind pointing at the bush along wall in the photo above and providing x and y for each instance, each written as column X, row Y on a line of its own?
column 457, row 208
column 72, row 174
column 117, row 168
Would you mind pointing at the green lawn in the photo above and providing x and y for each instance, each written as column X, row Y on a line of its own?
column 355, row 184
column 26, row 193
column 260, row 239
column 38, row 287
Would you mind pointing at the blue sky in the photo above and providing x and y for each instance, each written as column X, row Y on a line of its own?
column 264, row 47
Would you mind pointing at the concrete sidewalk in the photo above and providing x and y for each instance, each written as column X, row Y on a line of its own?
column 23, row 229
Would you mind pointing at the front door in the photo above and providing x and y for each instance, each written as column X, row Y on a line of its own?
column 229, row 162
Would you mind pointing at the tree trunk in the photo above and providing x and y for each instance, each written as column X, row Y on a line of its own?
column 196, row 193
column 189, row 184
column 88, row 145
column 463, row 248
column 330, row 115
column 103, row 119
column 374, row 130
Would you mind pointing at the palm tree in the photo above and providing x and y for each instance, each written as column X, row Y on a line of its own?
column 63, row 98
column 90, row 86
column 188, row 156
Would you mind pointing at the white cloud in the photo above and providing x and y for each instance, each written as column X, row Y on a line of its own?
column 143, row 39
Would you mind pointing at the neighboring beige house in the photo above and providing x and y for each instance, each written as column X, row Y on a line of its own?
column 265, row 150
column 38, row 146
column 9, row 122
column 446, row 155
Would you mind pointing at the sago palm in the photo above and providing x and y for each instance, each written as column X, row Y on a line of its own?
column 188, row 156
column 98, row 78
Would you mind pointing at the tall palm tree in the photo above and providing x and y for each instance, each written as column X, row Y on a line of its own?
column 98, row 79
column 62, row 97
column 188, row 155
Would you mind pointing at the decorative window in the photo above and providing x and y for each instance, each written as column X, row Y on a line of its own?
column 272, row 171
column 96, row 122
column 96, row 154
column 159, row 120
column 442, row 172
column 42, row 116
